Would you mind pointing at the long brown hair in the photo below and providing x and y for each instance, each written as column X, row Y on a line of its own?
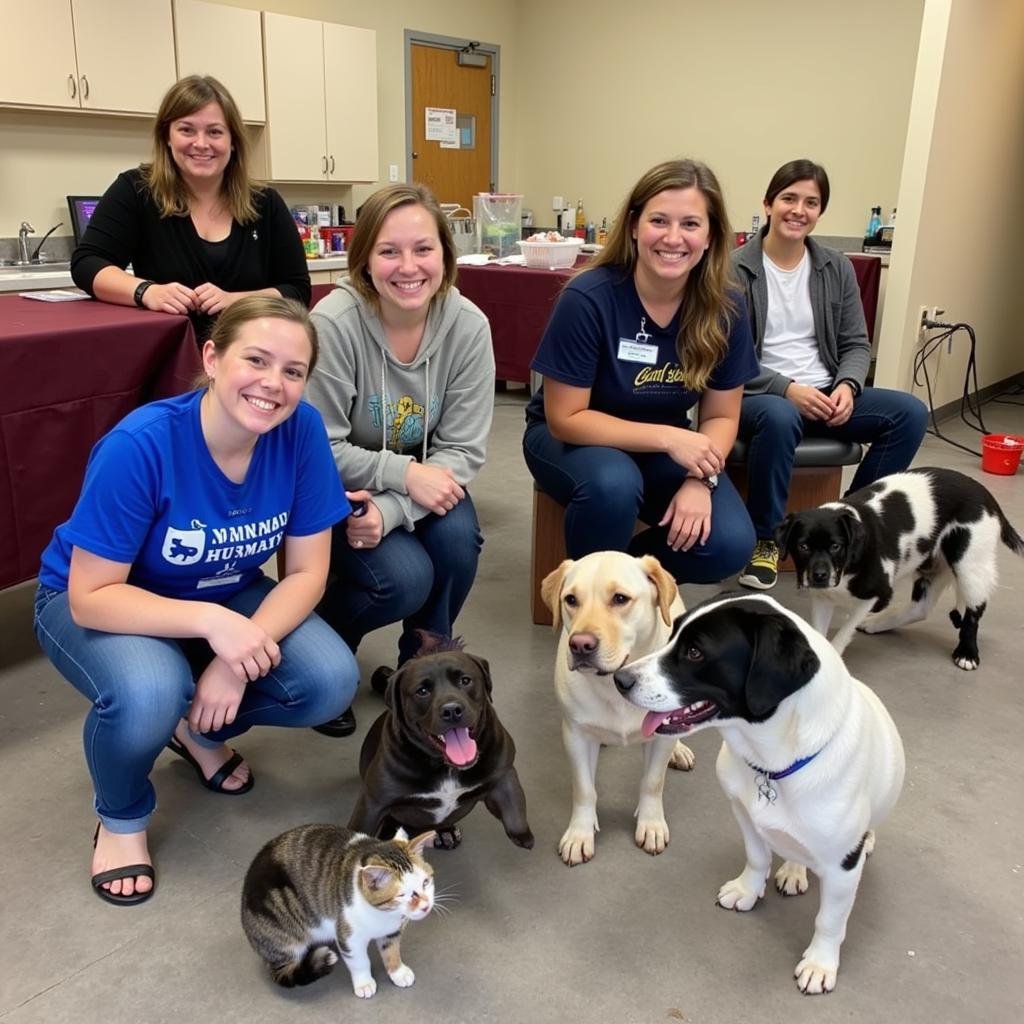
column 707, row 306
column 368, row 226
column 170, row 193
column 255, row 307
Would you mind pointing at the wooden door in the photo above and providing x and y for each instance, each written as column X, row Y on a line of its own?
column 125, row 53
column 454, row 175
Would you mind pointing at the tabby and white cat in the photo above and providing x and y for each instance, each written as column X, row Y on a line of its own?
column 318, row 893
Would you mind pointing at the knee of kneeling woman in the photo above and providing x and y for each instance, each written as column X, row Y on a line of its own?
column 327, row 688
column 145, row 712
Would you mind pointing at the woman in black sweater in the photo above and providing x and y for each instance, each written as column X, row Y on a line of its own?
column 198, row 232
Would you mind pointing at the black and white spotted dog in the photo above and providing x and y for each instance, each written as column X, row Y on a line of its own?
column 938, row 524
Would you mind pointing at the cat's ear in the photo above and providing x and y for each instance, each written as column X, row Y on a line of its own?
column 376, row 876
column 416, row 845
column 401, row 834
column 486, row 669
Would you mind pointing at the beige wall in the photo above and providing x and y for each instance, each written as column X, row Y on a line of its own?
column 745, row 85
column 959, row 247
column 592, row 94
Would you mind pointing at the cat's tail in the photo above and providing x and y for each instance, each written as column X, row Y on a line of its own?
column 318, row 961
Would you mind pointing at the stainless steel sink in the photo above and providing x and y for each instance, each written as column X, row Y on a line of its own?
column 9, row 267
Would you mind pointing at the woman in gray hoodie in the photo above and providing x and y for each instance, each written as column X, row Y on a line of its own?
column 406, row 389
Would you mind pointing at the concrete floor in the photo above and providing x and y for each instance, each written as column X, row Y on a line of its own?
column 626, row 938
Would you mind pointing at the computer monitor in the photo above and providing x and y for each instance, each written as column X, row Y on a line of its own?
column 81, row 209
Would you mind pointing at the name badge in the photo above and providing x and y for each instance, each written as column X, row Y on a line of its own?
column 636, row 352
column 217, row 581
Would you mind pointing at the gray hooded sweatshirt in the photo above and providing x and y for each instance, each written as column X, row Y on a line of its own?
column 382, row 414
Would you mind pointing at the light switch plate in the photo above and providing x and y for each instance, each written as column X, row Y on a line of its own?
column 392, row 172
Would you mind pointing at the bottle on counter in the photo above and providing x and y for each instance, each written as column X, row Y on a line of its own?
column 874, row 222
column 892, row 218
column 602, row 231
column 591, row 233
column 581, row 220
column 568, row 222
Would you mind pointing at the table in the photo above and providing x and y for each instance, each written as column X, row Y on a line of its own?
column 68, row 372
column 518, row 301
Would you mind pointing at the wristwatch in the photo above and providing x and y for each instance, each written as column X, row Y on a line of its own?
column 140, row 291
column 710, row 482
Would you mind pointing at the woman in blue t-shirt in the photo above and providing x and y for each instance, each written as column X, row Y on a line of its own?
column 151, row 599
column 647, row 331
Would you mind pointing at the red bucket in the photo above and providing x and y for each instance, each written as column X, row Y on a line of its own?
column 1000, row 453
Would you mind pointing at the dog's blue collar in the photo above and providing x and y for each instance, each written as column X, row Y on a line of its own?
column 765, row 778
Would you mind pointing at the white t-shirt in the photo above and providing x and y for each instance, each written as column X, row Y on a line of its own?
column 790, row 343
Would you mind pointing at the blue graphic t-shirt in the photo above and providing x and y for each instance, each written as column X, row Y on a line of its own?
column 601, row 337
column 153, row 496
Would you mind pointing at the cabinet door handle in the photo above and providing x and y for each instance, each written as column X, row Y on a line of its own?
column 332, row 163
column 72, row 89
column 85, row 88
column 324, row 158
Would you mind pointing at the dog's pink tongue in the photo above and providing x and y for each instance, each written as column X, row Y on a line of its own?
column 459, row 746
column 652, row 720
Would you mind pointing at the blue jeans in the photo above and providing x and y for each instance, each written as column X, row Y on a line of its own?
column 891, row 422
column 605, row 491
column 141, row 687
column 420, row 578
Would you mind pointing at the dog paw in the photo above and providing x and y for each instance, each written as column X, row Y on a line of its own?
column 448, row 838
column 791, row 879
column 364, row 987
column 735, row 895
column 403, row 976
column 576, row 846
column 814, row 978
column 683, row 758
column 875, row 624
column 523, row 839
column 966, row 658
column 652, row 836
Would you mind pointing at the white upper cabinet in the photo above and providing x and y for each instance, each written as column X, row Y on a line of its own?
column 321, row 100
column 104, row 55
column 226, row 42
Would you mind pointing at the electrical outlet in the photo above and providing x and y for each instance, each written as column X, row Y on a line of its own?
column 557, row 203
column 922, row 315
column 392, row 172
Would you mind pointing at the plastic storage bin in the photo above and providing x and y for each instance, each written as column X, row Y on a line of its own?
column 551, row 255
column 498, row 218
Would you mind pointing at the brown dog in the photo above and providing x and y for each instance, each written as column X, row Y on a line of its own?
column 438, row 749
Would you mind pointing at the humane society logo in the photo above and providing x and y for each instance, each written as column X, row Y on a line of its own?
column 247, row 540
column 404, row 420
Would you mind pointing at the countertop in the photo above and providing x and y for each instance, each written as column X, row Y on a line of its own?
column 14, row 280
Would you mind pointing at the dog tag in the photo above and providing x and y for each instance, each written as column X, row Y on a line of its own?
column 765, row 789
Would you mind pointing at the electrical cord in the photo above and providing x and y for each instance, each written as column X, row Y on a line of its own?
column 931, row 345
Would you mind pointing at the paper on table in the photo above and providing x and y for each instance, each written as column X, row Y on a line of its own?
column 57, row 295
column 474, row 259
column 511, row 261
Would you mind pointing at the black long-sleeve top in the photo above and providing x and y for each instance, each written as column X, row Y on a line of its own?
column 126, row 227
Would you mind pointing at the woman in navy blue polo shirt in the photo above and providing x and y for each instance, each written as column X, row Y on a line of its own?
column 648, row 331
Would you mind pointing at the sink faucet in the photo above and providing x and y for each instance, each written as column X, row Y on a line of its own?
column 23, row 233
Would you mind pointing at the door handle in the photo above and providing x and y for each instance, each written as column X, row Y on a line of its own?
column 324, row 158
column 72, row 88
column 85, row 88
column 415, row 156
column 332, row 163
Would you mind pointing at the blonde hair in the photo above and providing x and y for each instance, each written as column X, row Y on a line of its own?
column 162, row 177
column 707, row 305
column 255, row 307
column 368, row 226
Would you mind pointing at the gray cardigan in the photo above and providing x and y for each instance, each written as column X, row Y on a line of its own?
column 835, row 303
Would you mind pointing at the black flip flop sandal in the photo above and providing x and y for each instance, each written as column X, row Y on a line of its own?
column 216, row 781
column 119, row 874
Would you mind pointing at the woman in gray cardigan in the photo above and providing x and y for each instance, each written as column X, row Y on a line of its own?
column 813, row 349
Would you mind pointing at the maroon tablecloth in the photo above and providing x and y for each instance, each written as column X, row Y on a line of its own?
column 517, row 301
column 68, row 372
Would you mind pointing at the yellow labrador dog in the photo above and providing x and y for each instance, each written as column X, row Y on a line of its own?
column 612, row 609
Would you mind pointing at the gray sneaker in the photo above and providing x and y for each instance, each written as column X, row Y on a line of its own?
column 762, row 571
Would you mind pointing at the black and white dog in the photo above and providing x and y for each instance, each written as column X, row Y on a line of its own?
column 936, row 523
column 811, row 761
